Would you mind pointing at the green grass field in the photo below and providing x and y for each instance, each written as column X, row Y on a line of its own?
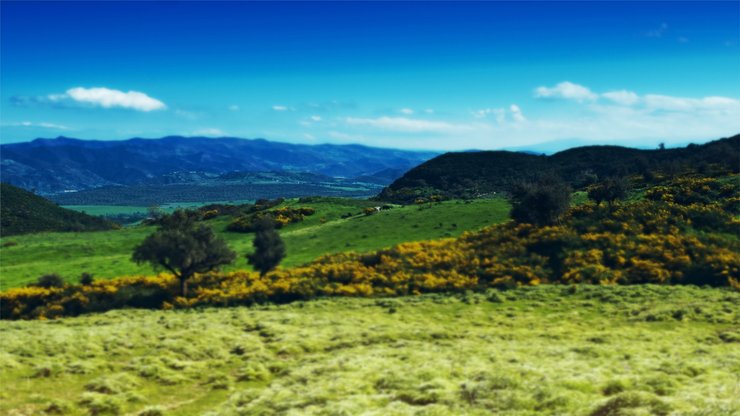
column 107, row 254
column 547, row 350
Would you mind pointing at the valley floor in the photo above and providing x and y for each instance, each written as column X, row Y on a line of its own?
column 585, row 350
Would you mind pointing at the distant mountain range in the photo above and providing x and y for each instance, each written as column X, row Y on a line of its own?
column 473, row 174
column 55, row 166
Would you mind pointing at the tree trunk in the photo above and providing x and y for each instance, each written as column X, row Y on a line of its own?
column 183, row 286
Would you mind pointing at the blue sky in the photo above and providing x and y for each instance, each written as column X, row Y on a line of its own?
column 410, row 75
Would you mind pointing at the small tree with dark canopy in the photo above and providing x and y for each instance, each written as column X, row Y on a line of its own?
column 49, row 281
column 183, row 247
column 541, row 202
column 86, row 279
column 608, row 190
column 269, row 248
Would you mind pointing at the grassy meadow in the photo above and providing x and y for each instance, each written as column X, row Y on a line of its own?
column 107, row 254
column 546, row 350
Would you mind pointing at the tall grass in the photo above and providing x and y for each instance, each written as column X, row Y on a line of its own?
column 553, row 350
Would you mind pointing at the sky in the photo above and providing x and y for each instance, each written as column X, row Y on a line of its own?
column 416, row 75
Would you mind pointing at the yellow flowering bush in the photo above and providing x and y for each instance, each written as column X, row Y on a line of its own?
column 281, row 216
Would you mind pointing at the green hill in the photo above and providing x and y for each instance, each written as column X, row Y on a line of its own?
column 473, row 174
column 22, row 212
column 107, row 254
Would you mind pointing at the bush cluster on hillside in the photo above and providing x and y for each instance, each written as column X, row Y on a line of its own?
column 681, row 233
column 247, row 223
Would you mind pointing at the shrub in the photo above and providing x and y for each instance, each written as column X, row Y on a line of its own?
column 48, row 281
column 151, row 411
column 610, row 190
column 631, row 403
column 279, row 217
column 58, row 407
column 86, row 279
column 541, row 202
column 101, row 404
column 269, row 248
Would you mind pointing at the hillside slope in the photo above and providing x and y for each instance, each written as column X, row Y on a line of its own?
column 54, row 165
column 472, row 174
column 22, row 212
column 108, row 254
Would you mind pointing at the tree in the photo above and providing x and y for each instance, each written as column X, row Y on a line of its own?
column 269, row 248
column 608, row 190
column 49, row 281
column 183, row 247
column 86, row 279
column 541, row 202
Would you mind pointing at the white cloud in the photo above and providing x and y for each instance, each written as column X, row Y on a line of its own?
column 280, row 108
column 53, row 126
column 109, row 98
column 516, row 113
column 233, row 107
column 190, row 115
column 617, row 116
column 657, row 32
column 429, row 111
column 42, row 124
column 209, row 132
column 650, row 102
column 310, row 121
column 56, row 97
column 403, row 124
column 407, row 111
column 500, row 113
column 622, row 97
column 566, row 90
column 669, row 103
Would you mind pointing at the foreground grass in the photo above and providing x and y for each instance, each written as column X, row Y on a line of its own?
column 107, row 254
column 554, row 350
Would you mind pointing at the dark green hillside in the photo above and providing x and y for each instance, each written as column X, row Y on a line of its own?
column 473, row 174
column 22, row 212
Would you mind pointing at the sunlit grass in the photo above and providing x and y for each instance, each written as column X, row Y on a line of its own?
column 107, row 254
column 538, row 350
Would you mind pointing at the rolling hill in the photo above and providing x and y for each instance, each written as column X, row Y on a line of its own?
column 51, row 166
column 108, row 254
column 22, row 212
column 472, row 174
